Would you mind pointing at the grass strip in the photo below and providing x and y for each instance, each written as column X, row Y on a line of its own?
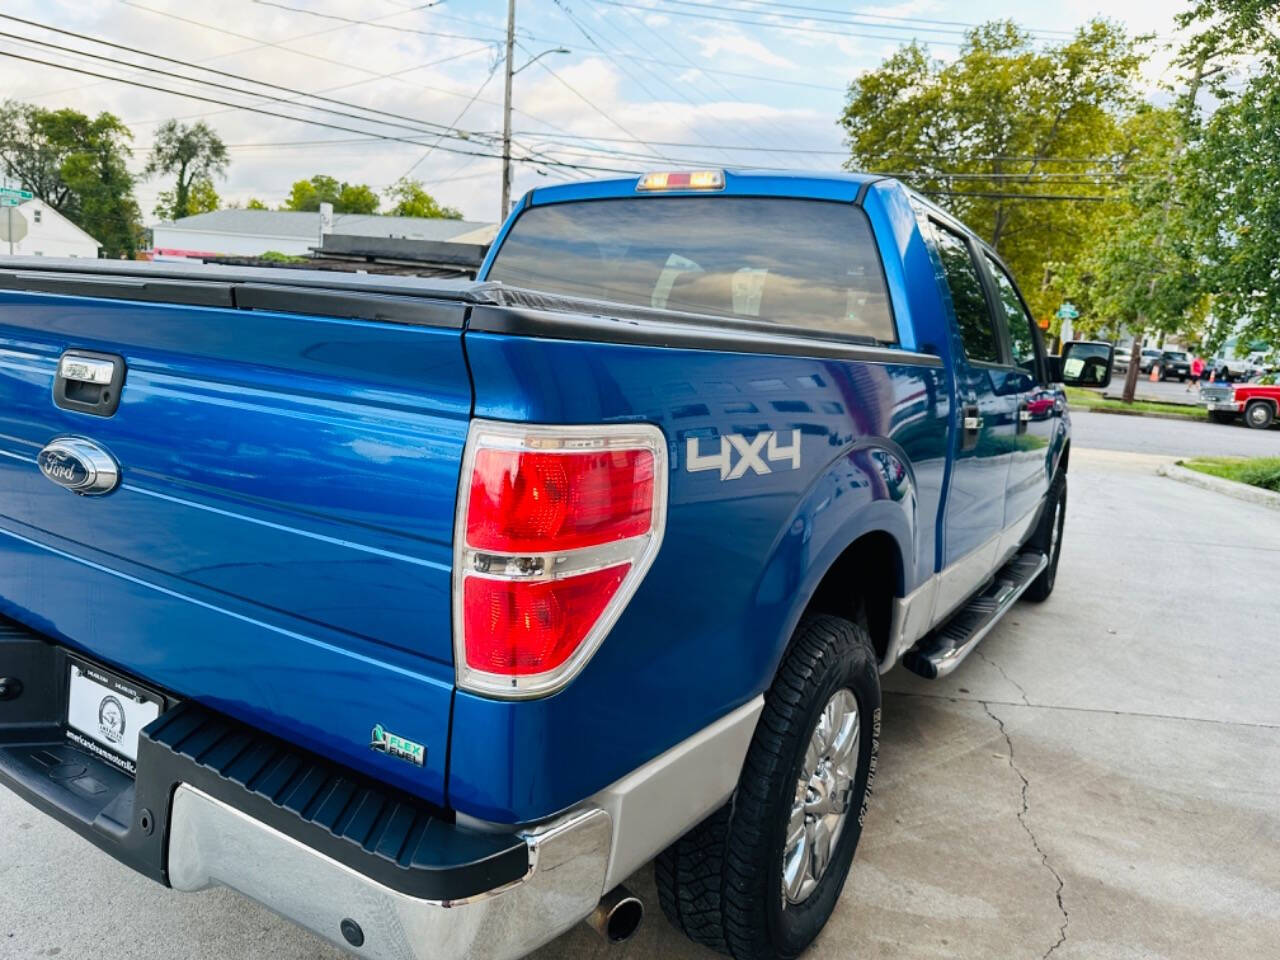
column 1089, row 400
column 1261, row 472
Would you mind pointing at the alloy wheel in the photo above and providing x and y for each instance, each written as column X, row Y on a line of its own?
column 821, row 805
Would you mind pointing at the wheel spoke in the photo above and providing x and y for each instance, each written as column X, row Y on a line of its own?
column 820, row 849
column 795, row 869
column 795, row 826
column 822, row 796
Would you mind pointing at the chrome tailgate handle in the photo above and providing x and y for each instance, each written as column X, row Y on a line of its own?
column 89, row 382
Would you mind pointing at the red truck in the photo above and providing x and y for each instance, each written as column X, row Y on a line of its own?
column 1257, row 402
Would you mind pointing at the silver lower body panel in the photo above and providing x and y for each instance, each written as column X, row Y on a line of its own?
column 211, row 844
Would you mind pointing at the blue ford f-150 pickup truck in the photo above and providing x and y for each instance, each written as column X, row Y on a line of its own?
column 426, row 612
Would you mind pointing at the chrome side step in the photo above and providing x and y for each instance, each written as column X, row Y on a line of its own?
column 943, row 649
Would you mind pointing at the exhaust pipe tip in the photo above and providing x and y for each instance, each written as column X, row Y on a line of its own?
column 617, row 917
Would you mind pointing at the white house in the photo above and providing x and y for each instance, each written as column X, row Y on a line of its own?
column 251, row 233
column 49, row 233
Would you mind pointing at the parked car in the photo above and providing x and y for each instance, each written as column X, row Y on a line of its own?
column 1256, row 402
column 426, row 612
column 1124, row 351
column 1173, row 364
column 1149, row 358
column 1231, row 369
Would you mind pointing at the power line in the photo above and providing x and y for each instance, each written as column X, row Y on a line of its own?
column 368, row 23
column 853, row 18
column 984, row 195
column 595, row 43
column 417, row 123
column 890, row 17
column 824, row 31
column 678, row 52
column 456, row 120
column 577, row 93
column 284, row 116
column 338, row 63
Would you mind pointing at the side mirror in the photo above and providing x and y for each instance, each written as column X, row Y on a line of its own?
column 1085, row 363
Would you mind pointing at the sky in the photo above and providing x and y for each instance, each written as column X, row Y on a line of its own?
column 645, row 84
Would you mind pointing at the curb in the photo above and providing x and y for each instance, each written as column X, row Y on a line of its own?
column 1140, row 413
column 1230, row 488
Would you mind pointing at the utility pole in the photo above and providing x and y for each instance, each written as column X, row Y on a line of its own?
column 506, row 113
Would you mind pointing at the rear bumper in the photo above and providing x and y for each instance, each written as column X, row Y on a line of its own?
column 217, row 802
column 212, row 843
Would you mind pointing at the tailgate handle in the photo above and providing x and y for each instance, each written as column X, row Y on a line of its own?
column 89, row 382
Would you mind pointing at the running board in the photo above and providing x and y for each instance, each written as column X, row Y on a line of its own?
column 942, row 650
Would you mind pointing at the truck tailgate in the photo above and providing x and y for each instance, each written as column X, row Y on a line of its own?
column 279, row 545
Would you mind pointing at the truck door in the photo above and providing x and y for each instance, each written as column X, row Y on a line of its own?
column 987, row 417
column 1038, row 414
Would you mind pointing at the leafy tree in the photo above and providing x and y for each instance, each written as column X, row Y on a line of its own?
column 412, row 200
column 1003, row 121
column 1232, row 166
column 194, row 155
column 255, row 204
column 345, row 197
column 79, row 166
column 202, row 197
column 1143, row 273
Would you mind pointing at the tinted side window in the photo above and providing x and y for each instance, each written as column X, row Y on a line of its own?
column 967, row 297
column 1022, row 339
column 802, row 263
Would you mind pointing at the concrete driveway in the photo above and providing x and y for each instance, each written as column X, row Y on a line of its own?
column 1099, row 781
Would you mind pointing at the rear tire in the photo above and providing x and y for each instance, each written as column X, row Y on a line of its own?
column 1048, row 539
column 1259, row 415
column 799, row 806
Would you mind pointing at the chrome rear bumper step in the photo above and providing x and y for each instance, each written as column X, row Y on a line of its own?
column 943, row 649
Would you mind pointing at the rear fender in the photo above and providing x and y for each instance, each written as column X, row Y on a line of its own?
column 878, row 487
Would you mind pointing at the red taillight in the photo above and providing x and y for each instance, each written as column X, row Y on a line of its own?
column 536, row 501
column 557, row 527
column 521, row 628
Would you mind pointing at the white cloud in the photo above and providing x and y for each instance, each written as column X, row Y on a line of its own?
column 731, row 41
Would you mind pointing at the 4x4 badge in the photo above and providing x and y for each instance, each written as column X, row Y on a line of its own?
column 755, row 454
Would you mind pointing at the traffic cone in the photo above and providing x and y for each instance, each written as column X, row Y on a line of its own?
column 1155, row 374
column 1213, row 375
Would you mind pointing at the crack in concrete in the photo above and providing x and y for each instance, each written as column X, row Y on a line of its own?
column 1022, row 693
column 1099, row 711
column 1035, row 841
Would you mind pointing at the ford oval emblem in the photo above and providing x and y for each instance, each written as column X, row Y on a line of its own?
column 79, row 465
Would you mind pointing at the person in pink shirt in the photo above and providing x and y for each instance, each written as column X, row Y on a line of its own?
column 1197, row 371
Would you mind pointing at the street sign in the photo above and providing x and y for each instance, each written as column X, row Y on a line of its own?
column 9, row 201
column 1068, row 311
column 13, row 227
column 15, row 193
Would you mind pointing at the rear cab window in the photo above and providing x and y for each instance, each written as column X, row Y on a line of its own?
column 808, row 265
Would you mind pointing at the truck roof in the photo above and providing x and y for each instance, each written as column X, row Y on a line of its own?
column 806, row 184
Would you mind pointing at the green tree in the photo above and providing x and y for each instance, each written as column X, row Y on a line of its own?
column 194, row 155
column 1002, row 122
column 255, row 204
column 1143, row 273
column 346, row 197
column 412, row 200
column 1231, row 181
column 79, row 166
column 202, row 197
